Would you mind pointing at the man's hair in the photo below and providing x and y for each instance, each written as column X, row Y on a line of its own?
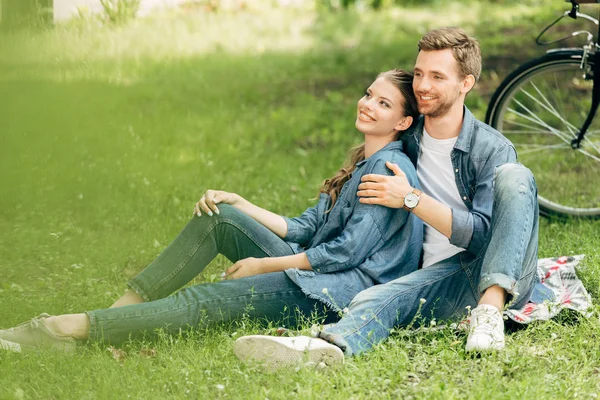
column 465, row 49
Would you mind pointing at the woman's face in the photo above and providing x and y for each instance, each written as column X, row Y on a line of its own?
column 380, row 111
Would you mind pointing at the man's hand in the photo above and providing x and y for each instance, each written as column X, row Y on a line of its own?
column 246, row 267
column 388, row 191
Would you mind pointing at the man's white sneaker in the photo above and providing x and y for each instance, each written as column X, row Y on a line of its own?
column 279, row 352
column 486, row 329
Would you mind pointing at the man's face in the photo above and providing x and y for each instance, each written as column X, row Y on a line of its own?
column 437, row 82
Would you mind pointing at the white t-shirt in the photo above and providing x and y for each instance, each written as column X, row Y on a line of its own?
column 436, row 176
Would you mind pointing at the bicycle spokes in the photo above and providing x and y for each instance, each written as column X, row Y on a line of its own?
column 542, row 114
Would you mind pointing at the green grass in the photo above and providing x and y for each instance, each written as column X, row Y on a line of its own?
column 109, row 135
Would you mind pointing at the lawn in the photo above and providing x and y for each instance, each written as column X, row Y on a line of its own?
column 108, row 135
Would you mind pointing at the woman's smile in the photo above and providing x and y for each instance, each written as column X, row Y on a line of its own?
column 363, row 116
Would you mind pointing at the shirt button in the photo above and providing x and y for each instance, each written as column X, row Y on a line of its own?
column 456, row 170
column 464, row 197
column 318, row 269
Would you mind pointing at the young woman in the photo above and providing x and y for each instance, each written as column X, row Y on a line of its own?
column 319, row 260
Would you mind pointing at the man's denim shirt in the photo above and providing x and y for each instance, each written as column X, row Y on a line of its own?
column 477, row 152
column 355, row 246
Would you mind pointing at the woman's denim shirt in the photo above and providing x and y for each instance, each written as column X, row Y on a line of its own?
column 355, row 246
column 478, row 151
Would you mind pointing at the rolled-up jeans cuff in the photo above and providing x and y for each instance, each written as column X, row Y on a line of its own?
column 336, row 339
column 519, row 292
column 133, row 285
column 93, row 335
column 495, row 279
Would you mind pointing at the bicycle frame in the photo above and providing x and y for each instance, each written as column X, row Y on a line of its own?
column 595, row 72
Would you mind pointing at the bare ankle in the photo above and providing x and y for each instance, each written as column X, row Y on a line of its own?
column 494, row 296
column 130, row 297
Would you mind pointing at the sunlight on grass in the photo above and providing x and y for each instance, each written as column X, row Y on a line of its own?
column 84, row 50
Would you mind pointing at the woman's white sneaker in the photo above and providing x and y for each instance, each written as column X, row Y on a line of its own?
column 35, row 335
column 10, row 346
column 486, row 329
column 279, row 352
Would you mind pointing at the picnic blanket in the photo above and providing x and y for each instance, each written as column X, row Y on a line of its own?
column 560, row 288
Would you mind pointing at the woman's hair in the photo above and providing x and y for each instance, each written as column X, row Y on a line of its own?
column 403, row 81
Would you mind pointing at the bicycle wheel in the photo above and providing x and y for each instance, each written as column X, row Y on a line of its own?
column 540, row 107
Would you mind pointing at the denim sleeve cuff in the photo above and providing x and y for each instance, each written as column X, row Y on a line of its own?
column 315, row 258
column 462, row 228
column 292, row 230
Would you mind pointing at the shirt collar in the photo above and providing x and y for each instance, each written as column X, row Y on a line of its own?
column 463, row 143
column 395, row 145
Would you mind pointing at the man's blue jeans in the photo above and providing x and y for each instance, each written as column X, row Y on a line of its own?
column 231, row 233
column 444, row 290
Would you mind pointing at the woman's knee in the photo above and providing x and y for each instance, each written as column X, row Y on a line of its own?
column 226, row 213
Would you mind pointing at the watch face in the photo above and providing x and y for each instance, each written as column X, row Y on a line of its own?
column 411, row 200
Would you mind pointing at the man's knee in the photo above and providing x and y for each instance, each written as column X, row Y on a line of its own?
column 514, row 179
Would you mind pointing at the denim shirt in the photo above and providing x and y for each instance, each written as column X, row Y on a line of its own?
column 477, row 152
column 355, row 246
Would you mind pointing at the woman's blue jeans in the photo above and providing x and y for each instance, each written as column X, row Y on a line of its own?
column 444, row 290
column 231, row 233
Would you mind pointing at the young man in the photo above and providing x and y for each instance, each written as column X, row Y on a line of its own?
column 481, row 221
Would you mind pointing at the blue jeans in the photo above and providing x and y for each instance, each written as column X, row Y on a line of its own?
column 444, row 290
column 231, row 233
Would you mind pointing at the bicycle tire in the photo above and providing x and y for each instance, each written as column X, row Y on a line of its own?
column 540, row 107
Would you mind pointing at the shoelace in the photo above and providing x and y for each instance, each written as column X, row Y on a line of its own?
column 486, row 322
column 35, row 323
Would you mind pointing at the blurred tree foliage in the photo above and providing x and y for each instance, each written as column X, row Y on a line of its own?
column 15, row 13
column 379, row 4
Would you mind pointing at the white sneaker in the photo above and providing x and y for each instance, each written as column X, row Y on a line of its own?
column 486, row 329
column 279, row 352
column 35, row 334
column 10, row 346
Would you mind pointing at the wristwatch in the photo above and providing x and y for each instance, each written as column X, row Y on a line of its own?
column 411, row 200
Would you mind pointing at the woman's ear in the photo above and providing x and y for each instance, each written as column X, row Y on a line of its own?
column 404, row 124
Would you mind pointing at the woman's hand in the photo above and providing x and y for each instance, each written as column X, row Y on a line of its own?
column 246, row 267
column 388, row 191
column 209, row 200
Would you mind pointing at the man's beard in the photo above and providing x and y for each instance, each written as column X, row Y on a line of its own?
column 439, row 111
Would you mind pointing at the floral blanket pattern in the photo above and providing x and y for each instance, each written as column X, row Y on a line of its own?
column 560, row 288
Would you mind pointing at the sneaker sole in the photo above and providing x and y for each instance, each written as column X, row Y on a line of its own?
column 484, row 348
column 273, row 354
column 10, row 346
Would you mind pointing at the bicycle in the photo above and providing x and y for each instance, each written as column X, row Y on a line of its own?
column 546, row 107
